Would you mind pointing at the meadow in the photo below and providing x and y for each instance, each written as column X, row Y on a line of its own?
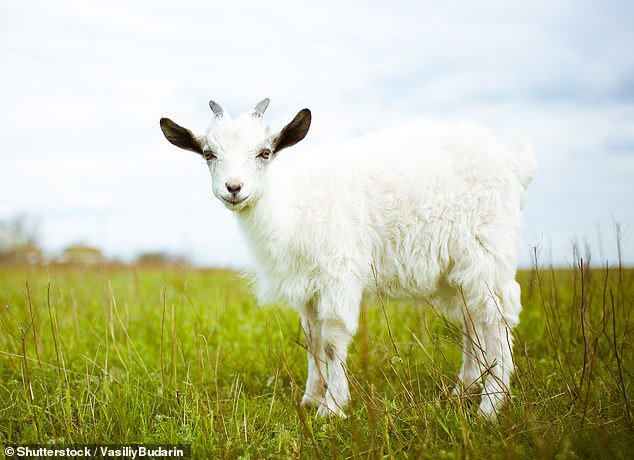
column 177, row 355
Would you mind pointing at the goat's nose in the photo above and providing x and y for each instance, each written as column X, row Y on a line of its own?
column 234, row 186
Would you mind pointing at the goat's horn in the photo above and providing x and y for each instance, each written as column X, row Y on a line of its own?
column 215, row 108
column 261, row 107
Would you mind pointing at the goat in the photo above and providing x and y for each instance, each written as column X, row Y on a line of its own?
column 424, row 211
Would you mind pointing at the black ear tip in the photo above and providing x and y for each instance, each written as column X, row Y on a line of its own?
column 308, row 116
column 164, row 121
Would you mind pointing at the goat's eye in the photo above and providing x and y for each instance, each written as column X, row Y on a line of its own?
column 265, row 154
column 209, row 155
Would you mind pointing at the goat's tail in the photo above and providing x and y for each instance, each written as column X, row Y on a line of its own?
column 525, row 164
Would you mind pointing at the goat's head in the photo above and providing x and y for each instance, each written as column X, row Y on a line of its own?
column 238, row 150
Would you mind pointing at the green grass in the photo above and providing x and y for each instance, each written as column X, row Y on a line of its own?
column 115, row 355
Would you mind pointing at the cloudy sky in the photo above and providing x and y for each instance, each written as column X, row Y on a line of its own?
column 84, row 84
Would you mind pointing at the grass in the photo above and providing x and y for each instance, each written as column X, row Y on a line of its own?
column 113, row 355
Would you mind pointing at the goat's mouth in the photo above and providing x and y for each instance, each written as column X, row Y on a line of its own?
column 234, row 202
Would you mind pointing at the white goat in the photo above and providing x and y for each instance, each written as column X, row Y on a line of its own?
column 424, row 211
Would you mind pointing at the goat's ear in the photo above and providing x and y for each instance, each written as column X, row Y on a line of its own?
column 293, row 132
column 180, row 137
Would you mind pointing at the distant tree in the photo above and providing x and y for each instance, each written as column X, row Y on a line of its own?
column 19, row 242
column 161, row 258
column 81, row 254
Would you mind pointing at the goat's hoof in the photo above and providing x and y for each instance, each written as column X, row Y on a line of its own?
column 310, row 400
column 458, row 391
column 325, row 411
column 462, row 391
column 487, row 411
column 491, row 404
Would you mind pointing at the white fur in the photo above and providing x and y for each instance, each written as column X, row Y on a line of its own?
column 425, row 211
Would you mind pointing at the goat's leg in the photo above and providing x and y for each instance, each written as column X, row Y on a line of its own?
column 316, row 382
column 336, row 338
column 473, row 363
column 497, row 339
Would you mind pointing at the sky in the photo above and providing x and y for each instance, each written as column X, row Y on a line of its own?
column 84, row 84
